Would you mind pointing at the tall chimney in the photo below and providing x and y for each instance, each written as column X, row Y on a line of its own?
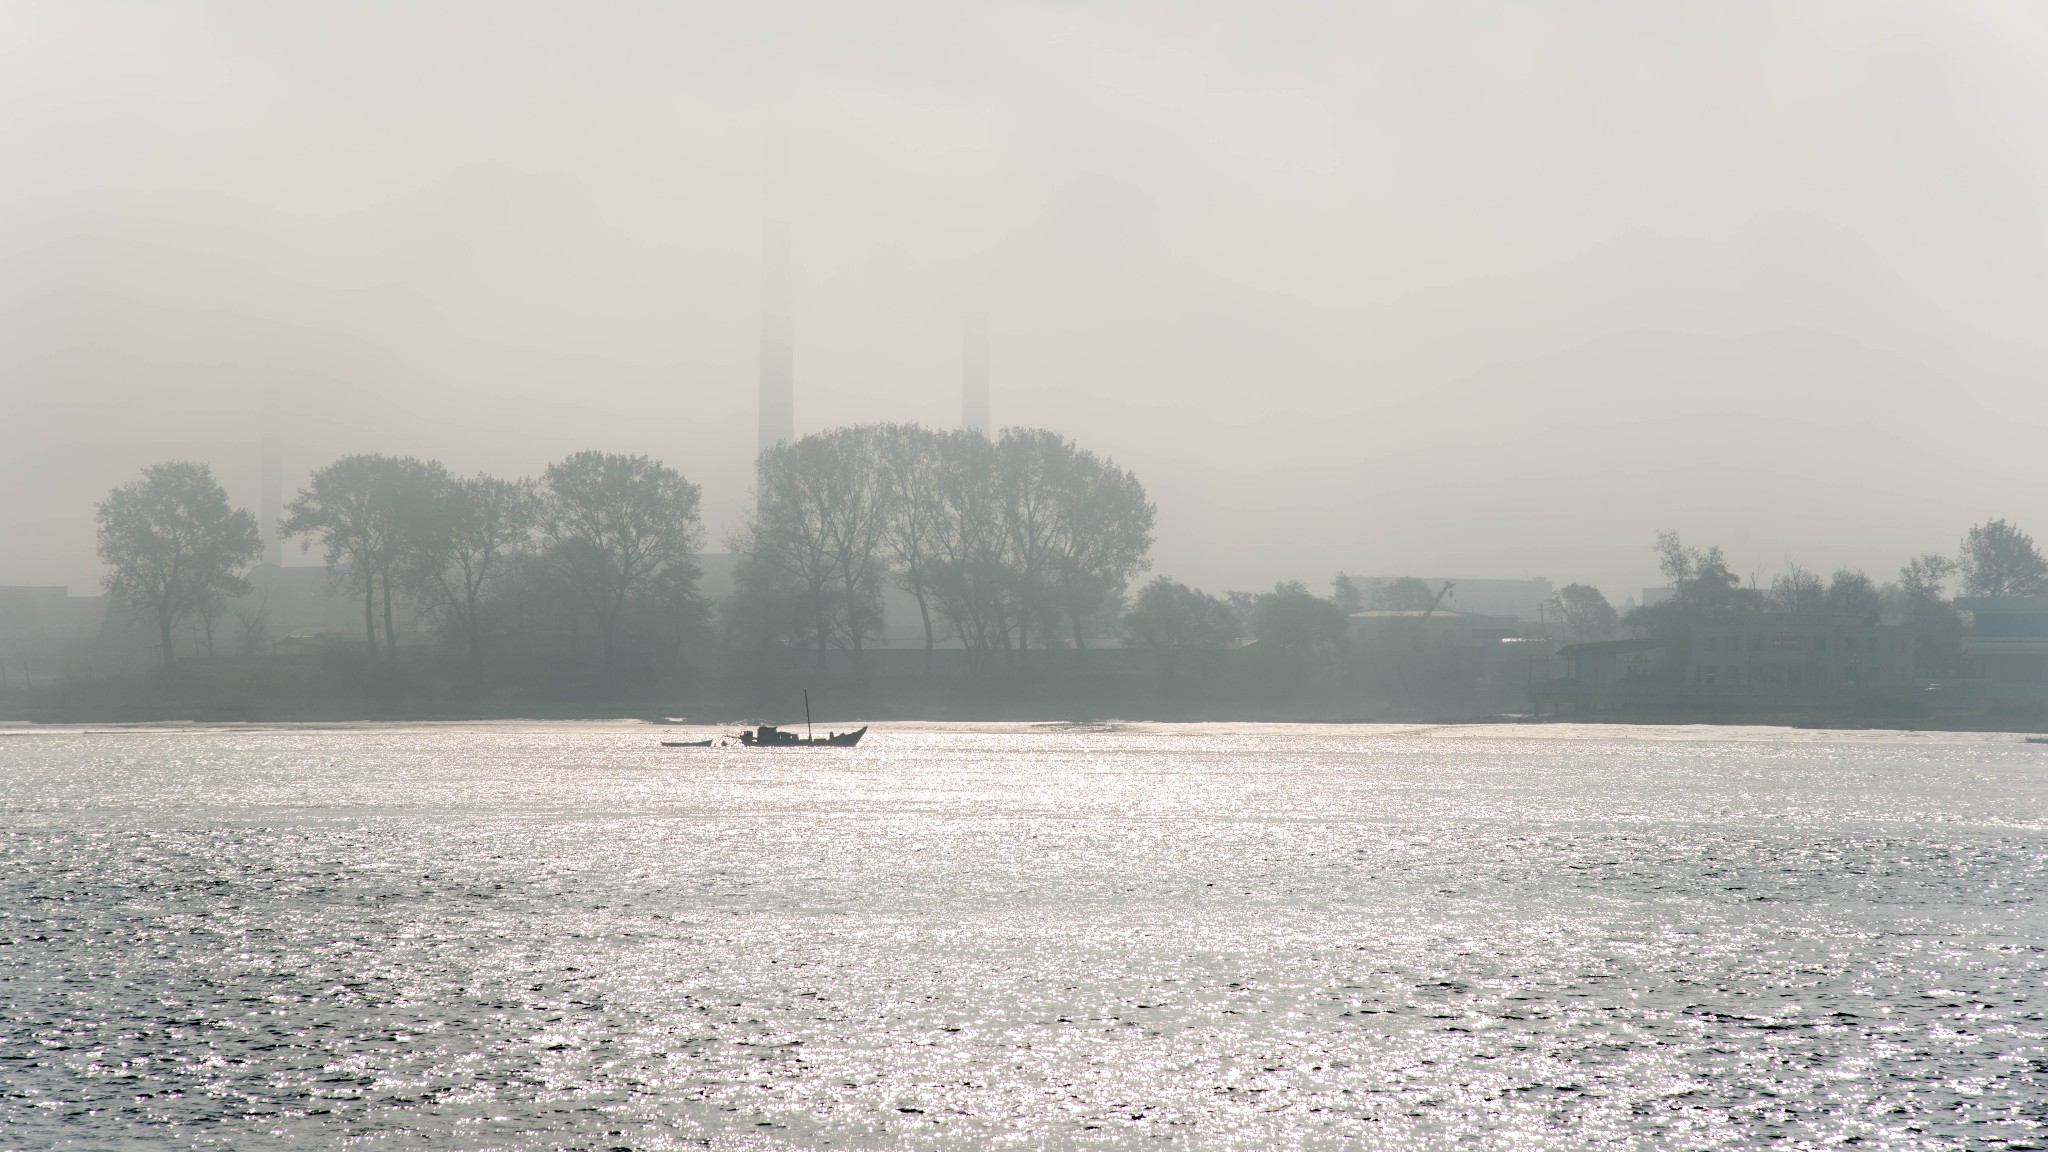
column 974, row 377
column 778, row 370
column 272, row 495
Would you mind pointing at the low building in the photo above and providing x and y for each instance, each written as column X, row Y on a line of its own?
column 1466, row 629
column 1804, row 654
column 1525, row 600
column 1480, row 652
column 302, row 600
column 1604, row 663
column 49, row 612
column 48, row 635
column 2007, row 645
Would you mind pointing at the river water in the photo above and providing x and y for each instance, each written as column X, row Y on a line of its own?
column 1215, row 936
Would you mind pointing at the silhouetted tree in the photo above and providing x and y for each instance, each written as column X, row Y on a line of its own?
column 617, row 523
column 801, row 526
column 1584, row 613
column 1170, row 616
column 1797, row 589
column 206, row 615
column 1403, row 594
column 365, row 510
column 768, row 606
column 1028, row 466
column 855, row 526
column 1925, row 575
column 1701, row 583
column 1936, row 625
column 1104, row 532
column 995, row 539
column 1170, row 619
column 1851, row 593
column 912, row 468
column 464, row 539
column 1997, row 559
column 1347, row 593
column 678, row 610
column 409, row 493
column 1290, row 618
column 175, row 544
column 1703, row 590
column 252, row 627
column 972, row 585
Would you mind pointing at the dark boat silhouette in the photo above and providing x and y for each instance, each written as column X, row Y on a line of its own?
column 769, row 736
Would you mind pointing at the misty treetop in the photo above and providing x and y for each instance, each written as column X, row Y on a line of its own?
column 175, row 545
column 477, row 530
column 1584, row 613
column 623, row 527
column 1168, row 616
column 479, row 553
column 997, row 541
column 1290, row 618
column 1997, row 559
column 1024, row 540
column 370, row 515
column 1994, row 558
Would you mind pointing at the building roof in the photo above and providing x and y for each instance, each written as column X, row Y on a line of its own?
column 1792, row 620
column 1419, row 613
column 2004, row 605
column 1609, row 647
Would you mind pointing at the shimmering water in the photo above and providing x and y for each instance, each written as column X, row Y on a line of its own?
column 1204, row 936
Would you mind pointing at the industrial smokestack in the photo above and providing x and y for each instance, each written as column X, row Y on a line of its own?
column 778, row 369
column 974, row 377
column 272, row 495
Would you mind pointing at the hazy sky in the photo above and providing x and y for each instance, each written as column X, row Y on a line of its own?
column 1455, row 288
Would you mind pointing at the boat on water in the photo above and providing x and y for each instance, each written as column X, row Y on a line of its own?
column 769, row 736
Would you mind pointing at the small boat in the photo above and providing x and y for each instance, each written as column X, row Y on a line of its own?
column 686, row 743
column 769, row 736
column 2037, row 739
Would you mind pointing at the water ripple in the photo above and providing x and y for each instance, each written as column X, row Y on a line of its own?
column 561, row 936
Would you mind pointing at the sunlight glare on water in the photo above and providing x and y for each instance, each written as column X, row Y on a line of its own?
column 1218, row 936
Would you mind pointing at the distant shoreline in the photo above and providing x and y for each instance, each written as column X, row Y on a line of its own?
column 12, row 724
column 1055, row 686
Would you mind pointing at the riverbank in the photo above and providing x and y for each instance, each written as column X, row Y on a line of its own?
column 1041, row 687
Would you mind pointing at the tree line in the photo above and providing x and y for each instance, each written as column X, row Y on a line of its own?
column 1027, row 539
column 1995, row 558
column 998, row 542
column 596, row 535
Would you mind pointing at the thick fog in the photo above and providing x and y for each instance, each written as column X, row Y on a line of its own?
column 1483, row 290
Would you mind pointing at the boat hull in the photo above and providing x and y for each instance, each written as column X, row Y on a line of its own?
column 778, row 739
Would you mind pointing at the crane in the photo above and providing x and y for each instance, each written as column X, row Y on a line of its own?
column 1440, row 594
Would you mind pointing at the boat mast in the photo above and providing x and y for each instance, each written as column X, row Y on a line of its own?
column 807, row 716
